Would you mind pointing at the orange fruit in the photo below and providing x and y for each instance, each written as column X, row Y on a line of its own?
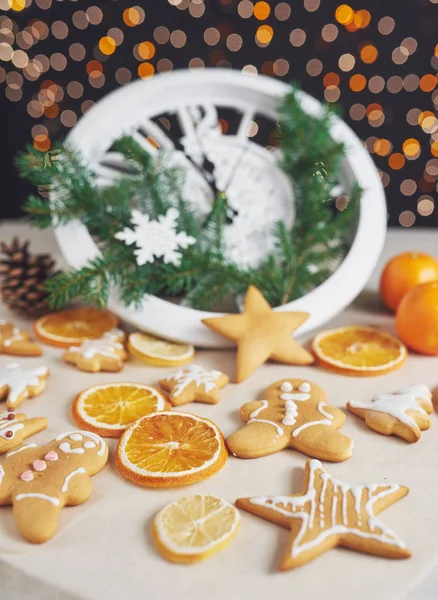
column 169, row 449
column 194, row 528
column 158, row 352
column 417, row 318
column 402, row 273
column 359, row 350
column 109, row 409
column 71, row 327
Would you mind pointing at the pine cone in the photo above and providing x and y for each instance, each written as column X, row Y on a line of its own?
column 23, row 275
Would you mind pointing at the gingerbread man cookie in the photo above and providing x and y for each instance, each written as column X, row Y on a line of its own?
column 106, row 353
column 16, row 341
column 330, row 513
column 294, row 414
column 15, row 428
column 40, row 480
column 194, row 384
column 17, row 384
column 404, row 413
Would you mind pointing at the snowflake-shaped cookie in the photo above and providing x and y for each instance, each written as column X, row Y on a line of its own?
column 194, row 384
column 17, row 384
column 106, row 353
column 16, row 341
column 156, row 239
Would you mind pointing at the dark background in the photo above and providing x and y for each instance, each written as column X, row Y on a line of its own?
column 56, row 61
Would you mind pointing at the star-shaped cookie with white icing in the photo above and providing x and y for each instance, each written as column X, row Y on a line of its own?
column 330, row 513
column 261, row 334
column 194, row 384
column 404, row 413
column 106, row 353
column 17, row 384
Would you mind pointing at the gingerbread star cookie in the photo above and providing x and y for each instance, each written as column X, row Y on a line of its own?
column 331, row 513
column 194, row 384
column 293, row 414
column 404, row 413
column 106, row 353
column 16, row 341
column 40, row 480
column 261, row 334
column 17, row 384
column 15, row 428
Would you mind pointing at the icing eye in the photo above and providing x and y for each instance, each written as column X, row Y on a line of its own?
column 76, row 437
column 286, row 386
column 304, row 387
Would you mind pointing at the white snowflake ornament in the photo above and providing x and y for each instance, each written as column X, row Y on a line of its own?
column 156, row 239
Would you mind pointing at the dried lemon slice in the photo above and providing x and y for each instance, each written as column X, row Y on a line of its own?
column 194, row 528
column 158, row 352
column 170, row 449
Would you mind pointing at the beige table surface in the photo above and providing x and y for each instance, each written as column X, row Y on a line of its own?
column 103, row 549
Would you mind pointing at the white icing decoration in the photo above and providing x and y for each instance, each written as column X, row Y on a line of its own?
column 86, row 434
column 193, row 374
column 76, row 437
column 399, row 403
column 16, row 335
column 2, row 474
column 362, row 516
column 12, row 452
column 304, row 387
column 67, row 449
column 107, row 345
column 279, row 429
column 291, row 408
column 253, row 415
column 67, row 479
column 12, row 426
column 286, row 386
column 326, row 414
column 89, row 445
column 18, row 379
column 50, row 499
column 298, row 430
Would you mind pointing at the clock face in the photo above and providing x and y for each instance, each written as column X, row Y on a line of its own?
column 257, row 192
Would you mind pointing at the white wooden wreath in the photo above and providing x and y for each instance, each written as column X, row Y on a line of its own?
column 247, row 171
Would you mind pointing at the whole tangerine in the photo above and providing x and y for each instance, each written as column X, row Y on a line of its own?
column 403, row 272
column 417, row 318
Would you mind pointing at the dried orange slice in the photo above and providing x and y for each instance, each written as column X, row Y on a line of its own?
column 194, row 528
column 109, row 409
column 170, row 449
column 359, row 350
column 72, row 327
column 158, row 352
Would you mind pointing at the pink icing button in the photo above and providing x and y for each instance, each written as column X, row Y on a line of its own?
column 39, row 465
column 51, row 456
column 26, row 476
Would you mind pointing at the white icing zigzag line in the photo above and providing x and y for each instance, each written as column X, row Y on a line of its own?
column 50, row 499
column 399, row 403
column 194, row 374
column 281, row 504
column 72, row 474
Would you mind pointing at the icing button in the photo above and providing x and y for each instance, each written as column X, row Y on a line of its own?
column 26, row 476
column 51, row 456
column 39, row 465
column 11, row 416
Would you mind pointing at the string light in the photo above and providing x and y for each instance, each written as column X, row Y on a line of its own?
column 345, row 52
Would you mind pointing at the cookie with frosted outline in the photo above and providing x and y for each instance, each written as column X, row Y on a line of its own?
column 330, row 513
column 15, row 428
column 16, row 342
